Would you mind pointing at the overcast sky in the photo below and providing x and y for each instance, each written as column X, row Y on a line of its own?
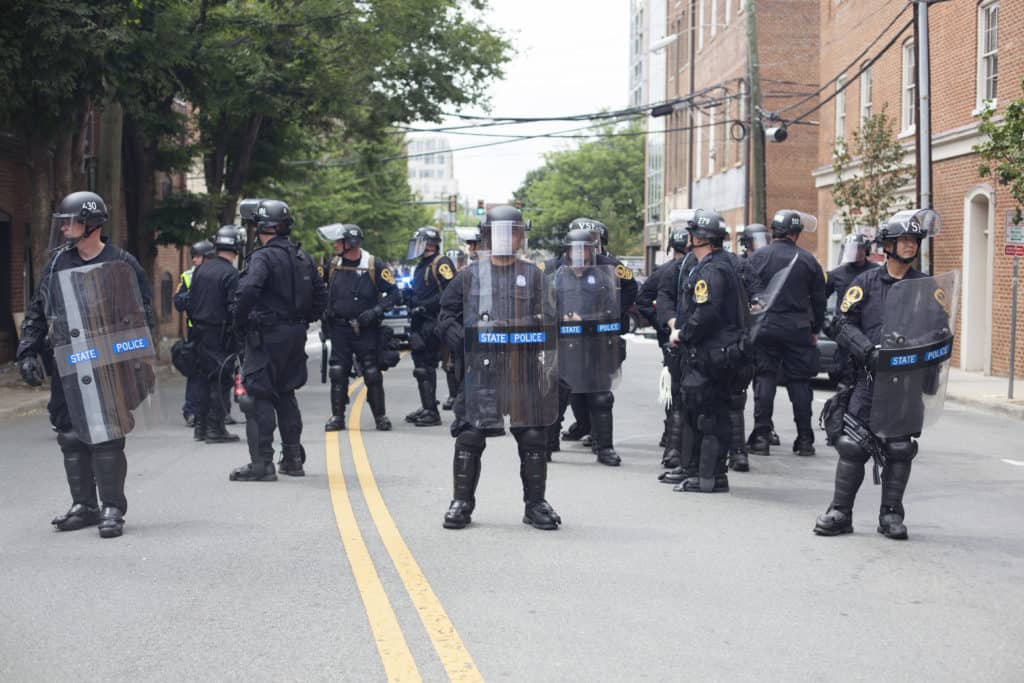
column 572, row 58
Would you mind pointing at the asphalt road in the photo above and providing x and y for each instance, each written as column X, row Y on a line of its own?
column 346, row 574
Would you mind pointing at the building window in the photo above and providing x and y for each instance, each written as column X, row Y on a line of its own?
column 700, row 25
column 841, row 107
column 908, row 118
column 711, row 142
column 988, row 43
column 698, row 153
column 865, row 93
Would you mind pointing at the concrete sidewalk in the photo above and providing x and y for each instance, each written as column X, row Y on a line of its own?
column 986, row 392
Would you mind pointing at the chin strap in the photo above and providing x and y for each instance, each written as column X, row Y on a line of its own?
column 894, row 257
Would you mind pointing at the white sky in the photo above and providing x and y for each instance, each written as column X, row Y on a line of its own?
column 572, row 58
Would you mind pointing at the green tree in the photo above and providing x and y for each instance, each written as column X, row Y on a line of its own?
column 870, row 172
column 601, row 179
column 1003, row 151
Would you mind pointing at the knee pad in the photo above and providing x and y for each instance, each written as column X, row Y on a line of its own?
column 851, row 450
column 470, row 440
column 602, row 401
column 371, row 375
column 901, row 450
column 738, row 401
column 532, row 438
column 337, row 374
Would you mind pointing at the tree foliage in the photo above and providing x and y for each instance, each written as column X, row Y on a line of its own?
column 602, row 179
column 870, row 172
column 1003, row 150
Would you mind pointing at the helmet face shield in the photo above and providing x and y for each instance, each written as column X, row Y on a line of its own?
column 789, row 221
column 580, row 254
column 917, row 222
column 65, row 231
column 754, row 240
column 504, row 238
column 855, row 248
column 417, row 245
column 331, row 233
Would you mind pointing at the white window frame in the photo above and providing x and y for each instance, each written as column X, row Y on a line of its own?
column 908, row 88
column 698, row 142
column 728, row 11
column 987, row 54
column 866, row 92
column 840, row 130
column 712, row 152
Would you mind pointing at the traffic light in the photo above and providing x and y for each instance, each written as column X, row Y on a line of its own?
column 480, row 207
column 452, row 203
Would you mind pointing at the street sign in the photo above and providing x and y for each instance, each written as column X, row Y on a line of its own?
column 1014, row 231
column 1013, row 250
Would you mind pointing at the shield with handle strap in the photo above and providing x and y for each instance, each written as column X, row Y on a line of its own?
column 589, row 325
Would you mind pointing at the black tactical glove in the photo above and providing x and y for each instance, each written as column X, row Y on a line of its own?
column 369, row 317
column 31, row 370
column 871, row 359
column 453, row 338
column 417, row 311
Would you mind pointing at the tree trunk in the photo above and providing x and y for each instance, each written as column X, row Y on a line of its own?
column 139, row 180
column 41, row 187
column 241, row 161
column 109, row 177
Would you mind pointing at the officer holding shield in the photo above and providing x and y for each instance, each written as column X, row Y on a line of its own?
column 898, row 324
column 92, row 316
column 499, row 310
column 432, row 274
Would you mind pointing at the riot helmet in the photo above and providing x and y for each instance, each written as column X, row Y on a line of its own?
column 423, row 237
column 917, row 223
column 855, row 248
column 679, row 240
column 581, row 247
column 754, row 237
column 85, row 208
column 790, row 222
column 226, row 239
column 273, row 217
column 503, row 231
column 247, row 210
column 201, row 249
column 458, row 257
column 349, row 233
column 597, row 227
column 708, row 225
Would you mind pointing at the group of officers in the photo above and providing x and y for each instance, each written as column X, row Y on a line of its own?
column 521, row 342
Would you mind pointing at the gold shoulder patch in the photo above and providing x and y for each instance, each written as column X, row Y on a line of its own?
column 542, row 265
column 700, row 292
column 940, row 297
column 388, row 276
column 852, row 296
column 623, row 273
column 445, row 271
column 320, row 271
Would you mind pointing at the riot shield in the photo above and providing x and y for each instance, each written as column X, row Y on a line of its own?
column 913, row 361
column 102, row 347
column 510, row 344
column 762, row 303
column 589, row 325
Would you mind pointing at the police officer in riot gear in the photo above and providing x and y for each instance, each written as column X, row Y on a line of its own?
column 450, row 357
column 710, row 329
column 497, row 309
column 433, row 273
column 753, row 238
column 209, row 310
column 91, row 394
column 855, row 261
column 198, row 252
column 279, row 293
column 361, row 288
column 898, row 325
column 786, row 343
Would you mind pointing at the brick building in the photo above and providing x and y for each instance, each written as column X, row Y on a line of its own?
column 974, row 59
column 706, row 157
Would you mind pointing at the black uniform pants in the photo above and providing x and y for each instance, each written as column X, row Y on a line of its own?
column 790, row 361
column 214, row 375
column 346, row 345
column 89, row 467
column 274, row 367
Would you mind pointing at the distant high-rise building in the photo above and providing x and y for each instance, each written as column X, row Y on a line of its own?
column 431, row 170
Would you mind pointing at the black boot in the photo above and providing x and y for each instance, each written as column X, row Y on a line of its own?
column 601, row 427
column 773, row 438
column 533, row 471
column 687, row 455
column 672, row 455
column 261, row 456
column 292, row 458
column 112, row 523
column 216, row 433
column 427, row 382
column 339, row 399
column 469, row 446
column 111, row 469
column 895, row 475
column 804, row 444
column 759, row 444
column 375, row 397
column 453, row 388
column 833, row 522
column 414, row 415
column 575, row 432
column 81, row 482
column 738, row 460
column 838, row 519
column 199, row 430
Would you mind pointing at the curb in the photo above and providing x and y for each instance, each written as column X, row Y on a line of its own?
column 29, row 407
column 993, row 406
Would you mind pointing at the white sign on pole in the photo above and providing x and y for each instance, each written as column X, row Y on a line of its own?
column 1014, row 232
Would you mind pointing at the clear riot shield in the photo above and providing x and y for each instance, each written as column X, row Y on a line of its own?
column 762, row 304
column 510, row 344
column 589, row 325
column 913, row 361
column 102, row 347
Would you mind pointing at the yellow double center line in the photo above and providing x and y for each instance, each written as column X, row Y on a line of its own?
column 399, row 664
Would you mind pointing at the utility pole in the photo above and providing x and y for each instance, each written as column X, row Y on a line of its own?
column 923, row 129
column 756, row 169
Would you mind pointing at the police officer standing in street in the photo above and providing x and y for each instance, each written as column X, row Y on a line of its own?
column 854, row 262
column 433, row 273
column 787, row 339
column 199, row 251
column 710, row 329
column 90, row 319
column 450, row 357
column 499, row 311
column 361, row 288
column 898, row 324
column 279, row 293
column 209, row 310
